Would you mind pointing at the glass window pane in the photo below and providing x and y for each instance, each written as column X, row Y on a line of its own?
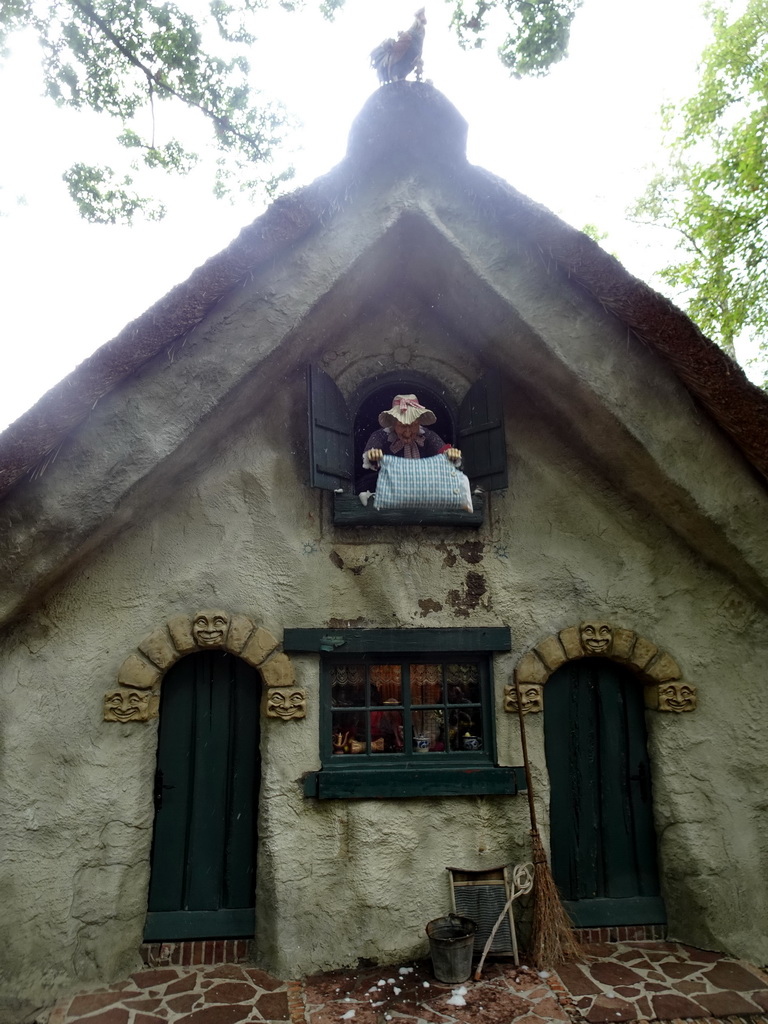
column 386, row 684
column 387, row 732
column 426, row 684
column 463, row 684
column 347, row 686
column 428, row 731
column 438, row 712
column 348, row 732
column 465, row 729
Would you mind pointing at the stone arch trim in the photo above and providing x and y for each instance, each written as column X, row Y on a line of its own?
column 657, row 669
column 140, row 676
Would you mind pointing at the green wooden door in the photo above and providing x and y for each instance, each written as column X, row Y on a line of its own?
column 601, row 812
column 206, row 799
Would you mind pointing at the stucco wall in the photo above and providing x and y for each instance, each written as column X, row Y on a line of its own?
column 343, row 880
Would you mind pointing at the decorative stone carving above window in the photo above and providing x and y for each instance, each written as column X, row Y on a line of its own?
column 658, row 670
column 532, row 694
column 140, row 675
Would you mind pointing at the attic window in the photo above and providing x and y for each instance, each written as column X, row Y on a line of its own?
column 338, row 434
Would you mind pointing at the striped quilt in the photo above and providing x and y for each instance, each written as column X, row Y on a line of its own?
column 432, row 482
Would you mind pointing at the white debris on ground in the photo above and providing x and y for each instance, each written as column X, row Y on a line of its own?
column 457, row 997
column 544, row 974
column 425, row 984
column 348, row 1015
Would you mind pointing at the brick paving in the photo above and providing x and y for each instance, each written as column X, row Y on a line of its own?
column 620, row 981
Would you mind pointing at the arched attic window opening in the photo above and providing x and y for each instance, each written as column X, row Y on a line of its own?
column 338, row 431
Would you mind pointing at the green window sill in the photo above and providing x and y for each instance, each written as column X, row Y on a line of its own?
column 348, row 511
column 367, row 783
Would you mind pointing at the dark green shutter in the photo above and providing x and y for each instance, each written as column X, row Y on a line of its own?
column 330, row 433
column 481, row 434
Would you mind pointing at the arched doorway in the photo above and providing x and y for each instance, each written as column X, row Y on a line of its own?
column 603, row 842
column 206, row 800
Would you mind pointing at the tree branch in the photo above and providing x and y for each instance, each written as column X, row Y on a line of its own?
column 154, row 81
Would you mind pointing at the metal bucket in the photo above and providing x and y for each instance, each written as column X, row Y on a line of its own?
column 451, row 941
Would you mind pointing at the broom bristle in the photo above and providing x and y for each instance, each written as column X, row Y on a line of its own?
column 552, row 938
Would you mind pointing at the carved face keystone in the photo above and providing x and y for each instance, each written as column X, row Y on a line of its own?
column 126, row 706
column 287, row 704
column 677, row 697
column 596, row 637
column 210, row 628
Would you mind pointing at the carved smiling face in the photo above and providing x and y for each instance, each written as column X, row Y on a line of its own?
column 126, row 706
column 287, row 703
column 531, row 698
column 210, row 628
column 677, row 697
column 596, row 637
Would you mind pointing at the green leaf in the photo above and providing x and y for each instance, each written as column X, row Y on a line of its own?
column 102, row 198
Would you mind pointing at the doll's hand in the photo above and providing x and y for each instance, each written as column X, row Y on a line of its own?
column 374, row 454
column 454, row 454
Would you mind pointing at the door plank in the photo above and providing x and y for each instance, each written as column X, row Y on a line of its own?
column 245, row 766
column 175, row 743
column 617, row 834
column 205, row 869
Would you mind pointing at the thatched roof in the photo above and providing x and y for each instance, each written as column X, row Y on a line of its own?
column 712, row 378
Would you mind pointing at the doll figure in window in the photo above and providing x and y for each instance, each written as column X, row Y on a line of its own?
column 387, row 731
column 404, row 432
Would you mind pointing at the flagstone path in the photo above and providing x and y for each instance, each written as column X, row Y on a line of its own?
column 631, row 981
column 661, row 981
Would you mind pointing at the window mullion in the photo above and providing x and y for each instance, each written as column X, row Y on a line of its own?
column 405, row 675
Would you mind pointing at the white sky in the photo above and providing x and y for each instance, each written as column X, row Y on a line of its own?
column 579, row 141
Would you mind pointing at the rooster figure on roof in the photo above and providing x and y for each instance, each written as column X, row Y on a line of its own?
column 395, row 58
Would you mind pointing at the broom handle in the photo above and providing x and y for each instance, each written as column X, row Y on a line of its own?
column 492, row 936
column 526, row 762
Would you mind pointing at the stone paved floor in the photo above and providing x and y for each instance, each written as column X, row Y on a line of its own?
column 661, row 980
column 614, row 982
column 224, row 994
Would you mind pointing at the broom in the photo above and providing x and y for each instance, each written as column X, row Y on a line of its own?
column 552, row 939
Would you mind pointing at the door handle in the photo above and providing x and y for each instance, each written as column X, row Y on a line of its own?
column 158, row 789
column 645, row 783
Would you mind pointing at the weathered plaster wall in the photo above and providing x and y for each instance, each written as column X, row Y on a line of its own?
column 338, row 881
column 624, row 504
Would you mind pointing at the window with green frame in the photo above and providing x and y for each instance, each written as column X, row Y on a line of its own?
column 428, row 710
column 406, row 712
